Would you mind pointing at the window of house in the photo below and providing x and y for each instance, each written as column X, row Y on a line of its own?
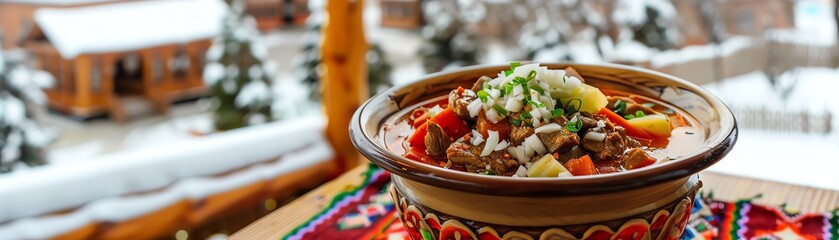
column 179, row 63
column 96, row 75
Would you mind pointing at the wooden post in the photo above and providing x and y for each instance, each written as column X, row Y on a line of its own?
column 344, row 84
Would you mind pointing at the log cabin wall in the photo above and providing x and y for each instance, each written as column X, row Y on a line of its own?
column 87, row 85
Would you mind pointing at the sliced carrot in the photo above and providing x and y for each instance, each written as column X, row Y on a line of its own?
column 417, row 140
column 419, row 121
column 580, row 166
column 632, row 131
column 451, row 124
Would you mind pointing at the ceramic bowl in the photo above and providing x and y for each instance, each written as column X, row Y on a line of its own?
column 654, row 202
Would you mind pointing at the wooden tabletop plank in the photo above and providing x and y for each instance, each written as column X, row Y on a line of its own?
column 724, row 187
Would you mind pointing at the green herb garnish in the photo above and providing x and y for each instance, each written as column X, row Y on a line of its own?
column 513, row 66
column 488, row 172
column 571, row 108
column 531, row 75
column 526, row 114
column 508, row 88
column 557, row 112
column 516, row 122
column 689, row 133
column 620, row 106
column 628, row 117
column 574, row 126
column 639, row 113
column 538, row 89
column 483, row 95
column 499, row 109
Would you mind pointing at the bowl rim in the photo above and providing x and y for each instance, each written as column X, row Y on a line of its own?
column 679, row 168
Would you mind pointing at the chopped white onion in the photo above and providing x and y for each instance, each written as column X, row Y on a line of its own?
column 434, row 111
column 601, row 124
column 492, row 116
column 535, row 113
column 545, row 113
column 549, row 128
column 533, row 142
column 488, row 167
column 595, row 136
column 502, row 145
column 491, row 142
column 573, row 119
column 536, row 122
column 521, row 172
column 518, row 90
column 477, row 138
column 513, row 105
column 474, row 107
column 518, row 153
column 494, row 93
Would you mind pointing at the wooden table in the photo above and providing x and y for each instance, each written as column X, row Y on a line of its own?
column 724, row 187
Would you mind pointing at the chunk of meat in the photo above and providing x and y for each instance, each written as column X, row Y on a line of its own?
column 463, row 153
column 610, row 148
column 575, row 152
column 458, row 102
column 589, row 120
column 560, row 141
column 436, row 140
column 636, row 158
column 519, row 133
column 630, row 142
column 484, row 125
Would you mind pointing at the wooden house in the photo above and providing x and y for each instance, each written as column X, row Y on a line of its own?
column 272, row 14
column 401, row 13
column 16, row 15
column 99, row 54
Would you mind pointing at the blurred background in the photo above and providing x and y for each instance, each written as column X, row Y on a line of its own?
column 192, row 118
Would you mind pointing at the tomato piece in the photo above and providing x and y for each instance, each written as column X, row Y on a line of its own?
column 484, row 125
column 419, row 155
column 417, row 140
column 581, row 166
column 451, row 124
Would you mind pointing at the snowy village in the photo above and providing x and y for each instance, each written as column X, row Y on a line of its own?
column 388, row 119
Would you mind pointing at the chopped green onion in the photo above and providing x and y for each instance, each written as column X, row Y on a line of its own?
column 487, row 172
column 508, row 88
column 574, row 126
column 486, row 85
column 570, row 108
column 531, row 75
column 483, row 95
column 629, row 116
column 648, row 105
column 499, row 109
column 557, row 112
column 537, row 104
column 514, row 65
column 620, row 106
column 515, row 122
column 564, row 78
column 538, row 89
column 639, row 113
column 526, row 114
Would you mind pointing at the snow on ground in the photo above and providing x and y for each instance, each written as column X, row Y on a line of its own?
column 799, row 158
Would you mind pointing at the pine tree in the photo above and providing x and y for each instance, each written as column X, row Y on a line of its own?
column 651, row 22
column 447, row 41
column 22, row 138
column 378, row 69
column 236, row 73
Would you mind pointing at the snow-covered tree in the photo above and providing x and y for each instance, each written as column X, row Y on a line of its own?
column 447, row 40
column 237, row 74
column 378, row 69
column 650, row 22
column 22, row 138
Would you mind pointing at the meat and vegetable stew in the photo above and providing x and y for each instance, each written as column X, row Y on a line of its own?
column 531, row 121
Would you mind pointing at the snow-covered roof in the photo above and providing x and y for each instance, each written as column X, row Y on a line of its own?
column 129, row 26
column 55, row 2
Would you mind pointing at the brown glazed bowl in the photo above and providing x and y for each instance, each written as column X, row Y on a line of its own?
column 654, row 202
